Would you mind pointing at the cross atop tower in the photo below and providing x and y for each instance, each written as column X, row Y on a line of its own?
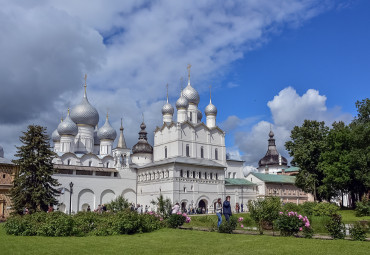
column 167, row 91
column 85, row 84
column 189, row 67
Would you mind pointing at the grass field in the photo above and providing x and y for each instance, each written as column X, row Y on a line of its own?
column 174, row 241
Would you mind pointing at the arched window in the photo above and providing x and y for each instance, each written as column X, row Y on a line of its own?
column 90, row 163
column 201, row 152
column 165, row 152
column 229, row 175
column 187, row 150
column 184, row 189
column 211, row 176
column 181, row 173
column 234, row 175
column 216, row 154
column 68, row 162
column 193, row 174
column 191, row 117
column 216, row 176
column 107, row 164
column 187, row 174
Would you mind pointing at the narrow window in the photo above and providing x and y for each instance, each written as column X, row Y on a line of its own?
column 187, row 174
column 216, row 154
column 229, row 175
column 187, row 150
column 107, row 164
column 234, row 175
column 90, row 163
column 216, row 176
column 181, row 173
column 201, row 152
column 68, row 162
column 205, row 175
column 193, row 174
column 165, row 152
column 211, row 176
column 191, row 117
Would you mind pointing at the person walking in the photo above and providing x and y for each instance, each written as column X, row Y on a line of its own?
column 227, row 208
column 219, row 211
column 175, row 208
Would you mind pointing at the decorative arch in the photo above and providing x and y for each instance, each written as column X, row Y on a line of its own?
column 95, row 161
column 107, row 196
column 129, row 194
column 108, row 159
column 86, row 196
column 69, row 156
column 203, row 197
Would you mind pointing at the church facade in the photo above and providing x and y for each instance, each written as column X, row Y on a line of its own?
column 187, row 163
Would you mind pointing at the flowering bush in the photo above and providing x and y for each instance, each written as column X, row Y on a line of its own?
column 176, row 220
column 290, row 223
column 240, row 220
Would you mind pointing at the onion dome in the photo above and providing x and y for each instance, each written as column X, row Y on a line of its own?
column 84, row 112
column 106, row 131
column 67, row 127
column 142, row 145
column 272, row 156
column 190, row 93
column 182, row 102
column 96, row 138
column 55, row 136
column 211, row 108
column 167, row 108
column 199, row 115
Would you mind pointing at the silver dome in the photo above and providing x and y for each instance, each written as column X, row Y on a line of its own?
column 199, row 116
column 191, row 95
column 67, row 127
column 85, row 113
column 107, row 132
column 55, row 136
column 182, row 102
column 96, row 138
column 210, row 109
column 167, row 109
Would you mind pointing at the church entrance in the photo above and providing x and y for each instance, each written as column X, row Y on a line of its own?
column 183, row 207
column 202, row 206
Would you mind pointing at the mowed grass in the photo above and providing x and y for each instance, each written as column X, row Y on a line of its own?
column 176, row 241
column 348, row 216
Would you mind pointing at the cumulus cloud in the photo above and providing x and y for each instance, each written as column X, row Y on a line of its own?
column 130, row 50
column 288, row 109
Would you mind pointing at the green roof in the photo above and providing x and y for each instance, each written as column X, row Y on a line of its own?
column 275, row 178
column 291, row 169
column 238, row 182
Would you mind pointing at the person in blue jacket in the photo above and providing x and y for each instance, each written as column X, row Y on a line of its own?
column 227, row 208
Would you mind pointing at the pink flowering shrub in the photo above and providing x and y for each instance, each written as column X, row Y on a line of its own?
column 290, row 223
column 178, row 219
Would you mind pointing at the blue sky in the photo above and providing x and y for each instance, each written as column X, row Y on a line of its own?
column 271, row 63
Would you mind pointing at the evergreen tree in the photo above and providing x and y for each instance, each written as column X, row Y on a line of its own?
column 34, row 186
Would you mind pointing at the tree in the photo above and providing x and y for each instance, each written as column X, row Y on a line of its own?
column 164, row 206
column 264, row 211
column 306, row 145
column 34, row 186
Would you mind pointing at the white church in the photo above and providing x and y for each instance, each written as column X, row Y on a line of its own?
column 188, row 162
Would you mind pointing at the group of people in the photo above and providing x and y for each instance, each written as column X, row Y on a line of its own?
column 223, row 208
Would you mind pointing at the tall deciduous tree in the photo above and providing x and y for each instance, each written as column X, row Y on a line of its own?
column 306, row 145
column 34, row 187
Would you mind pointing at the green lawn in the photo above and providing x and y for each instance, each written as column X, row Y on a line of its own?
column 348, row 216
column 171, row 241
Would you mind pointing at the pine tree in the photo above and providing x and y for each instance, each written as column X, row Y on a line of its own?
column 34, row 186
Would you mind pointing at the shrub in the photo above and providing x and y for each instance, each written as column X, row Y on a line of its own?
column 325, row 209
column 86, row 222
column 358, row 232
column 264, row 212
column 176, row 220
column 56, row 224
column 290, row 207
column 336, row 227
column 149, row 222
column 164, row 206
column 363, row 207
column 307, row 208
column 118, row 204
column 290, row 223
column 228, row 227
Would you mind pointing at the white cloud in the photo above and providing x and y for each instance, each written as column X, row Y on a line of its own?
column 288, row 109
column 130, row 50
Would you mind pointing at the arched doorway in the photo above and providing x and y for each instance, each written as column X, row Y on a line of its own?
column 183, row 207
column 202, row 206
